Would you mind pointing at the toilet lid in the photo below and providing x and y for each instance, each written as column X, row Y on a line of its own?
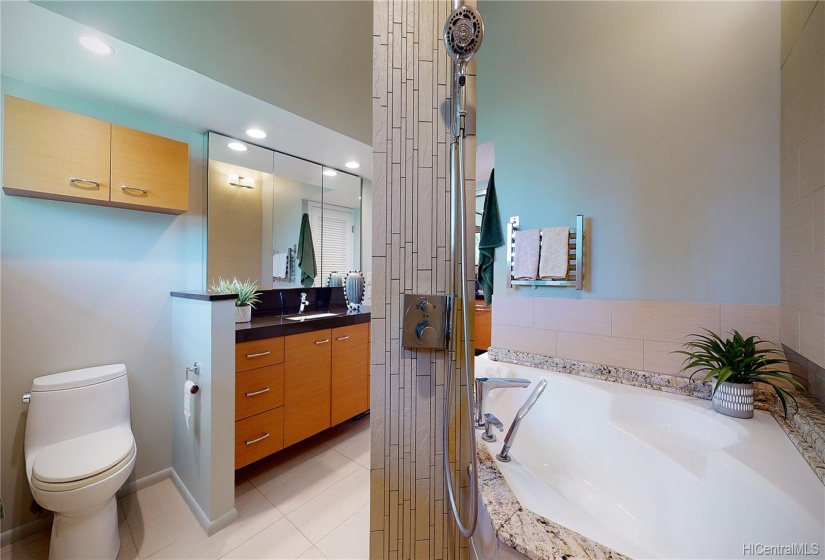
column 84, row 456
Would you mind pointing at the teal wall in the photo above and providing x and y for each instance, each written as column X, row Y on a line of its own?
column 659, row 121
column 85, row 285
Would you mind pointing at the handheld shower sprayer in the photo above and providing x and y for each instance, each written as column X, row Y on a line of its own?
column 463, row 33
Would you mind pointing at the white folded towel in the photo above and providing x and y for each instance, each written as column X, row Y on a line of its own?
column 279, row 265
column 526, row 257
column 555, row 253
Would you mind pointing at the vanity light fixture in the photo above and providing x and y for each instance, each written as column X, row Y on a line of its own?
column 238, row 181
column 256, row 133
column 330, row 172
column 352, row 165
column 96, row 45
column 237, row 146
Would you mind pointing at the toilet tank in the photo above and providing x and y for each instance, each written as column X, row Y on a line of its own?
column 75, row 403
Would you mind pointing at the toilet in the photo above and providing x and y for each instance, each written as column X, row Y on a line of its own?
column 79, row 451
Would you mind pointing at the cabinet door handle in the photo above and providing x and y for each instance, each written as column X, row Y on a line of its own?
column 259, row 354
column 340, row 338
column 322, row 341
column 126, row 188
column 256, row 440
column 78, row 182
column 261, row 392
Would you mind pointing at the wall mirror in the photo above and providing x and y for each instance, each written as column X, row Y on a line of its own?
column 257, row 200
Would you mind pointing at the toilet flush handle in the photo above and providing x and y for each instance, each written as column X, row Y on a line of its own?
column 27, row 397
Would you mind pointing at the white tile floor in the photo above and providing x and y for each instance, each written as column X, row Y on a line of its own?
column 309, row 501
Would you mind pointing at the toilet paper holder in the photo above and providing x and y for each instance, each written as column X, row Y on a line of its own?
column 194, row 370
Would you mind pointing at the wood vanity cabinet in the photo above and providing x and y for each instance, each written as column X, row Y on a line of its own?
column 350, row 372
column 290, row 388
column 55, row 154
column 259, row 399
column 307, row 385
column 483, row 326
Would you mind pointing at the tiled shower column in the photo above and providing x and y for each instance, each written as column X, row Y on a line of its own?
column 411, row 254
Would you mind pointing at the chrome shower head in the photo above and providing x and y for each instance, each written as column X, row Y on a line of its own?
column 463, row 33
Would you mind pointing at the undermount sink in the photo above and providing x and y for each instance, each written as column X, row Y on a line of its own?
column 310, row 316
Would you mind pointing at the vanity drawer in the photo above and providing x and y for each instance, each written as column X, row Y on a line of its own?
column 259, row 353
column 258, row 390
column 258, row 436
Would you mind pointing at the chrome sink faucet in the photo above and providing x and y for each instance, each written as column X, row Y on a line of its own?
column 486, row 384
column 304, row 303
column 522, row 412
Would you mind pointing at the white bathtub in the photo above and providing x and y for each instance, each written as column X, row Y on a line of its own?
column 655, row 475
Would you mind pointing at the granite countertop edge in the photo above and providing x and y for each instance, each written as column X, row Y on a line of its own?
column 274, row 325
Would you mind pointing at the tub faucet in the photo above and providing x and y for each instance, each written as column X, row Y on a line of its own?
column 486, row 384
column 304, row 303
column 522, row 412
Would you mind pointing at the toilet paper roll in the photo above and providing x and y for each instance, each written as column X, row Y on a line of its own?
column 187, row 401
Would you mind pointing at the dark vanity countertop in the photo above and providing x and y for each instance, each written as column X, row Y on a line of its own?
column 203, row 296
column 268, row 326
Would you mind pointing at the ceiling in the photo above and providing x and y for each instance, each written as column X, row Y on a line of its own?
column 311, row 58
column 40, row 47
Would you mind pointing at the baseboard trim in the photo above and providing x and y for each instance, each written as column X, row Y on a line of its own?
column 212, row 526
column 22, row 531
column 141, row 483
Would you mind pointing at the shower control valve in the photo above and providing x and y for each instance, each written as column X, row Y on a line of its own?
column 426, row 321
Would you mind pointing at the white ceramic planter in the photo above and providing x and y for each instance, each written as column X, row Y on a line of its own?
column 733, row 399
column 243, row 314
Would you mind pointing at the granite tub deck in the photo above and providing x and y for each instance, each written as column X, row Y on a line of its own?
column 540, row 538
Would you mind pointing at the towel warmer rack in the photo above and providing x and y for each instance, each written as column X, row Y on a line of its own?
column 290, row 264
column 575, row 272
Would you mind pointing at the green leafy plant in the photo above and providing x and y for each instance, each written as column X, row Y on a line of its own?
column 247, row 291
column 738, row 360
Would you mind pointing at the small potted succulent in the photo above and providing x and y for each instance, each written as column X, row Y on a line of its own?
column 247, row 296
column 733, row 365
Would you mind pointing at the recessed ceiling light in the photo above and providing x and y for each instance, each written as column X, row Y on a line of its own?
column 237, row 146
column 352, row 165
column 97, row 46
column 330, row 172
column 256, row 133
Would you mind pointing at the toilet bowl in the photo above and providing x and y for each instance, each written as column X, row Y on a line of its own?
column 79, row 451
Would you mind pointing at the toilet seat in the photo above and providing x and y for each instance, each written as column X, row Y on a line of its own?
column 82, row 461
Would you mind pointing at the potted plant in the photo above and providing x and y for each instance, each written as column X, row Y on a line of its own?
column 733, row 365
column 247, row 296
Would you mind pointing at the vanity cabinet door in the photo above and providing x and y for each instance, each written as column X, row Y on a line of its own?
column 49, row 153
column 350, row 372
column 306, row 385
column 149, row 172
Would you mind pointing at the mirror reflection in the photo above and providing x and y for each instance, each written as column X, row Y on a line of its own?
column 280, row 220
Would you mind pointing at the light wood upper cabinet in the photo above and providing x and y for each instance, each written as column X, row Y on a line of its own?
column 306, row 385
column 350, row 371
column 149, row 171
column 49, row 153
column 55, row 154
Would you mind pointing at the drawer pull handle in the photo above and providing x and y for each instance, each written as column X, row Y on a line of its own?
column 261, row 392
column 340, row 338
column 78, row 182
column 322, row 341
column 259, row 354
column 127, row 188
column 256, row 440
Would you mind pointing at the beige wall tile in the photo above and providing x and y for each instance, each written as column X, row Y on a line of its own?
column 806, row 282
column 812, row 161
column 587, row 316
column 659, row 358
column 608, row 350
column 663, row 321
column 789, row 327
column 524, row 339
column 514, row 310
column 789, row 182
column 818, row 213
column 760, row 320
column 812, row 337
column 794, row 15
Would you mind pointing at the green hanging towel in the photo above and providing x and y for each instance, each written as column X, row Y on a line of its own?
column 490, row 239
column 306, row 254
